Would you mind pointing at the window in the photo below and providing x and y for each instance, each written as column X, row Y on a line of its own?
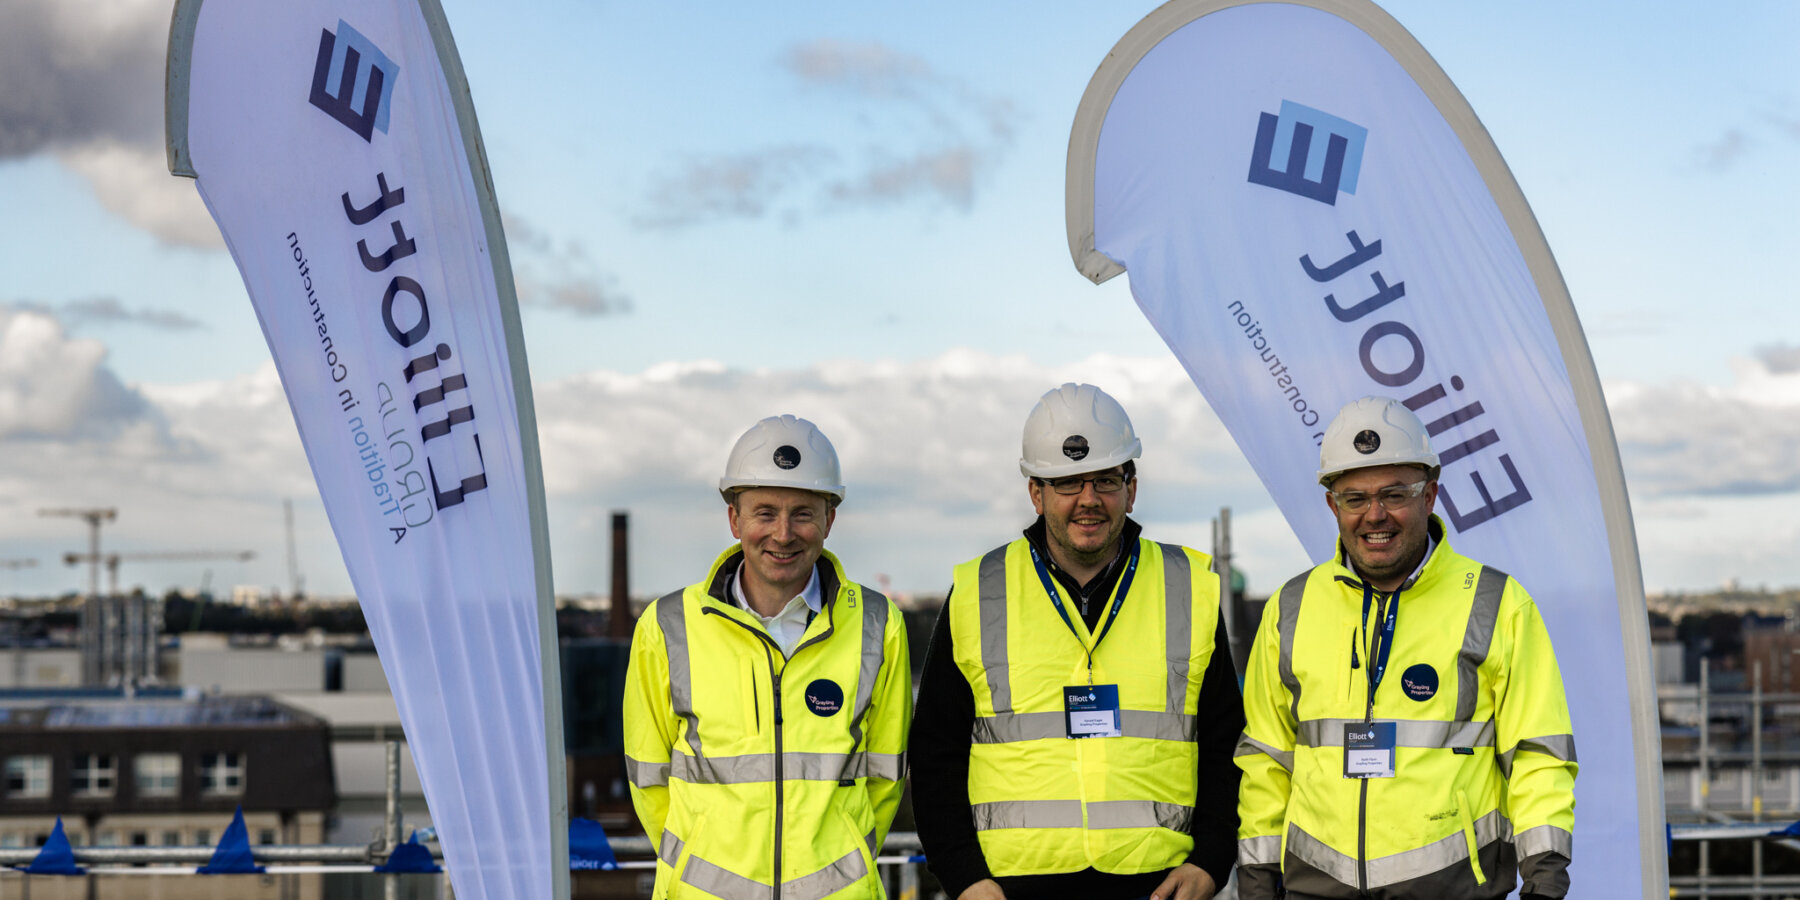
column 203, row 837
column 171, row 839
column 93, row 775
column 28, row 776
column 265, row 836
column 222, row 773
column 158, row 774
column 140, row 839
column 107, row 838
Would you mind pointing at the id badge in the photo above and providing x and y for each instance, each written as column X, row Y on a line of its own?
column 1092, row 711
column 1369, row 750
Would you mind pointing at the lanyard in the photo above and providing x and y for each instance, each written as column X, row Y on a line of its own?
column 1119, row 593
column 1384, row 639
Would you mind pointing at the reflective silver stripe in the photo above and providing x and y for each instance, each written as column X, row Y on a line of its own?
column 846, row 871
column 1008, row 728
column 672, row 621
column 669, row 849
column 1476, row 637
column 891, row 766
column 869, row 839
column 646, row 774
column 1439, row 854
column 1556, row 746
column 1259, row 851
column 1407, row 733
column 750, row 768
column 1398, row 867
column 1027, row 814
column 1545, row 839
column 753, row 768
column 991, row 594
column 1139, row 814
column 1137, row 723
column 1178, row 627
column 1312, row 851
column 1249, row 746
column 874, row 630
column 1288, row 605
column 1157, row 726
column 722, row 882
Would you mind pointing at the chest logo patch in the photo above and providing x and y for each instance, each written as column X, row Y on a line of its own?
column 824, row 698
column 1420, row 682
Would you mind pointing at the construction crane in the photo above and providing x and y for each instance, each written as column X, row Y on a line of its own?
column 94, row 516
column 112, row 560
column 125, row 648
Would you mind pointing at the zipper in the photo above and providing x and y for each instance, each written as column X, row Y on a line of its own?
column 769, row 646
column 1362, row 794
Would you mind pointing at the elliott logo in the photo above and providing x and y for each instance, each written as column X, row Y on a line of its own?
column 362, row 73
column 1362, row 735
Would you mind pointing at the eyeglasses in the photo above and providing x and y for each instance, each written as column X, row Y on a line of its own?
column 1110, row 483
column 1391, row 498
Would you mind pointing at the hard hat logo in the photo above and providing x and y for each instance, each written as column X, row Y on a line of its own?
column 783, row 451
column 1381, row 431
column 1073, row 429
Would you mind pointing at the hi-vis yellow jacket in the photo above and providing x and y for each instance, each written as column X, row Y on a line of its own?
column 1485, row 766
column 1043, row 803
column 758, row 776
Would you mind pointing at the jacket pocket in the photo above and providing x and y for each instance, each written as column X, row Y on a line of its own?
column 1467, row 814
column 867, row 886
column 678, row 869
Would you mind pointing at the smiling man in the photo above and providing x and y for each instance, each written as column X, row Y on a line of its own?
column 1408, row 736
column 1078, row 708
column 766, row 706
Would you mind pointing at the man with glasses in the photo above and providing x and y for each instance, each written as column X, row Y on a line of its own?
column 1078, row 706
column 1408, row 734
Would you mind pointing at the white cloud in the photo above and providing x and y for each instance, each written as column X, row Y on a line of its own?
column 1685, row 438
column 133, row 182
column 929, row 448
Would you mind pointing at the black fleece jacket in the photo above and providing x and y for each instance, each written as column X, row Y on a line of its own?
column 938, row 752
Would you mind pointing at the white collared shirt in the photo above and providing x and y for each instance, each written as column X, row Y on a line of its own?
column 788, row 626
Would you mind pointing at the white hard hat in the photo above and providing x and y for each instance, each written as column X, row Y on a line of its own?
column 1374, row 431
column 783, row 451
column 1074, row 429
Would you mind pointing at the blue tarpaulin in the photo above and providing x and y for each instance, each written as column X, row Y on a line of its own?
column 57, row 857
column 232, row 856
column 588, row 846
column 411, row 856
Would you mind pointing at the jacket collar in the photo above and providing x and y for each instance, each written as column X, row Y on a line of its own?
column 725, row 568
column 1436, row 552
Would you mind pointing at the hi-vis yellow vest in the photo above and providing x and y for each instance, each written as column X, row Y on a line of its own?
column 758, row 776
column 1044, row 803
column 1485, row 761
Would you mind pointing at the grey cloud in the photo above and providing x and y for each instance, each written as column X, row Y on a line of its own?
column 1722, row 153
column 84, row 81
column 549, row 275
column 1686, row 439
column 921, row 136
column 55, row 389
column 109, row 311
column 78, row 71
column 1781, row 359
column 742, row 186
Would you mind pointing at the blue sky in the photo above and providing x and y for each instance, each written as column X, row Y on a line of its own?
column 839, row 206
